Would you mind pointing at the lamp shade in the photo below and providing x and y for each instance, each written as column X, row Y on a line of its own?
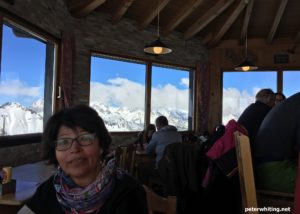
column 246, row 65
column 157, row 48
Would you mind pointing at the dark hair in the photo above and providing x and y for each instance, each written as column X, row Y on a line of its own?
column 81, row 116
column 146, row 138
column 281, row 94
column 266, row 96
column 162, row 121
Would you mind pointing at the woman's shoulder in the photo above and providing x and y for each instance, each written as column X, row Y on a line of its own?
column 44, row 199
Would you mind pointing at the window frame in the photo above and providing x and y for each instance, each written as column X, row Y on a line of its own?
column 10, row 19
column 279, row 80
column 148, row 85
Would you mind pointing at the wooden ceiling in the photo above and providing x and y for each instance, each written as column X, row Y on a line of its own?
column 210, row 21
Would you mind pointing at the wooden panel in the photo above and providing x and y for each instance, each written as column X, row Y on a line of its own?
column 121, row 10
column 152, row 13
column 277, row 19
column 205, row 19
column 203, row 96
column 227, row 24
column 80, row 8
column 180, row 15
column 246, row 21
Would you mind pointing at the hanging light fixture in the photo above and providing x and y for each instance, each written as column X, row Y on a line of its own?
column 247, row 64
column 157, row 47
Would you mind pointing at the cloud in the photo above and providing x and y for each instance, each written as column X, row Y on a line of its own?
column 18, row 88
column 235, row 102
column 185, row 82
column 125, row 93
column 119, row 92
column 122, row 92
column 170, row 96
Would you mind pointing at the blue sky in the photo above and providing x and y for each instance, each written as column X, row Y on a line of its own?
column 250, row 81
column 108, row 69
column 22, row 69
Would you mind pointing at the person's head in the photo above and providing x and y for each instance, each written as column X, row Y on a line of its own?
column 150, row 130
column 266, row 96
column 279, row 97
column 77, row 140
column 161, row 121
column 148, row 133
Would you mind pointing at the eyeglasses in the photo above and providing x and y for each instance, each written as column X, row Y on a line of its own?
column 64, row 144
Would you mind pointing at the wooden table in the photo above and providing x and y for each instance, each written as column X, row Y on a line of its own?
column 28, row 177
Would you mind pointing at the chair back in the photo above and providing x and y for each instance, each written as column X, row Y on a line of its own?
column 125, row 156
column 157, row 203
column 245, row 167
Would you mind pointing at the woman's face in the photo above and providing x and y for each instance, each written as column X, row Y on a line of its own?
column 81, row 163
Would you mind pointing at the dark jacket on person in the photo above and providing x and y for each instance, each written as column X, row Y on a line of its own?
column 128, row 197
column 181, row 169
column 252, row 117
column 278, row 137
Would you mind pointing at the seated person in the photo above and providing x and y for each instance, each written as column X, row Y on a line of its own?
column 166, row 134
column 145, row 136
column 276, row 146
column 87, row 179
column 279, row 97
column 254, row 114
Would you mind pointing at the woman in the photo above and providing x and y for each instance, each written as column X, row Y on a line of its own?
column 145, row 136
column 148, row 133
column 87, row 180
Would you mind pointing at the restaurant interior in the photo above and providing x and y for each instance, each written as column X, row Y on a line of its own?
column 202, row 40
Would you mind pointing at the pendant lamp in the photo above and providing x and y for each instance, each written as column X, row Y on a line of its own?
column 157, row 47
column 247, row 64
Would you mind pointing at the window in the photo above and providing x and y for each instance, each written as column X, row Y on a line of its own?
column 291, row 80
column 170, row 95
column 118, row 92
column 25, row 92
column 240, row 88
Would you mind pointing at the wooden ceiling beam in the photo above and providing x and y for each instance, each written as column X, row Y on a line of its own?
column 233, row 16
column 81, row 8
column 180, row 15
column 246, row 21
column 276, row 21
column 121, row 10
column 209, row 16
column 152, row 13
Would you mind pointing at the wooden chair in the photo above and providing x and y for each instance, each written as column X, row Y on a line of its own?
column 245, row 168
column 267, row 198
column 125, row 156
column 251, row 196
column 160, row 204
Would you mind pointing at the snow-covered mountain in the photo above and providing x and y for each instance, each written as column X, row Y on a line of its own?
column 125, row 119
column 19, row 119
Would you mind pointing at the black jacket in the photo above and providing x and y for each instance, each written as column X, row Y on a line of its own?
column 129, row 197
column 252, row 117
